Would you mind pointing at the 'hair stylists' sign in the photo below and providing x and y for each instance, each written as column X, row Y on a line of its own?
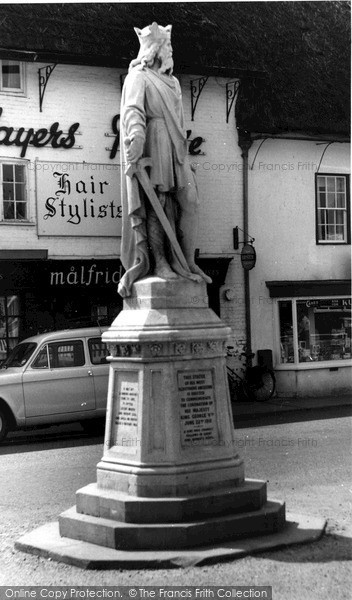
column 78, row 199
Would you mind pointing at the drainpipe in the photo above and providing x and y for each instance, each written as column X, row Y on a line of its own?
column 245, row 142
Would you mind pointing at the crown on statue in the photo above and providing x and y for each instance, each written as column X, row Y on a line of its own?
column 152, row 34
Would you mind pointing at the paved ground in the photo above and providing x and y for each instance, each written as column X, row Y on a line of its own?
column 285, row 406
column 39, row 479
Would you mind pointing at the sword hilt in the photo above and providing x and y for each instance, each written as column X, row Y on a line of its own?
column 141, row 164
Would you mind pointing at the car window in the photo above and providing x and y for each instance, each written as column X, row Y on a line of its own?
column 58, row 355
column 98, row 351
column 20, row 355
column 42, row 360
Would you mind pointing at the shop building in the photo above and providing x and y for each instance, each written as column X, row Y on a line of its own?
column 60, row 193
column 301, row 286
column 60, row 213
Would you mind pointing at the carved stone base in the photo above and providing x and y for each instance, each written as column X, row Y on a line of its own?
column 169, row 428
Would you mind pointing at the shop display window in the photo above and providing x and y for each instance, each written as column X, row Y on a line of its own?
column 315, row 330
column 9, row 324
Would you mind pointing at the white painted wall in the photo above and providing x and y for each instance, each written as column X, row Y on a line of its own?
column 282, row 220
column 219, row 177
column 86, row 95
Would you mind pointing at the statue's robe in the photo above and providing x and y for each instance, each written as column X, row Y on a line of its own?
column 151, row 107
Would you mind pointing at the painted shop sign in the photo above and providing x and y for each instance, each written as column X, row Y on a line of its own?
column 95, row 274
column 64, row 274
column 194, row 148
column 23, row 137
column 78, row 199
column 330, row 303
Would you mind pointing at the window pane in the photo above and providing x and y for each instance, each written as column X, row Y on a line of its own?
column 304, row 326
column 340, row 184
column 331, row 184
column 68, row 354
column 21, row 210
column 331, row 232
column 13, row 305
column 7, row 172
column 3, row 349
column 286, row 332
column 9, row 210
column 11, row 76
column 41, row 362
column 19, row 173
column 8, row 191
column 340, row 230
column 340, row 217
column 322, row 216
column 321, row 183
column 340, row 200
column 321, row 232
column 330, row 217
column 332, row 335
column 97, row 351
column 2, row 312
column 322, row 200
column 331, row 200
column 13, row 326
column 19, row 187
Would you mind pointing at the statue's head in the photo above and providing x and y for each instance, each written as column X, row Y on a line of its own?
column 155, row 44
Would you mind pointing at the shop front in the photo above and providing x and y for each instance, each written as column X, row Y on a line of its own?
column 313, row 337
column 38, row 295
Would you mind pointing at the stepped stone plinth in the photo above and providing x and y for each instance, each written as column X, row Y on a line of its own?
column 170, row 477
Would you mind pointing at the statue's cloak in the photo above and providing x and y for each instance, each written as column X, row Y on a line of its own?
column 151, row 107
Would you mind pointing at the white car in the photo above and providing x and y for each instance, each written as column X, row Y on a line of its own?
column 52, row 378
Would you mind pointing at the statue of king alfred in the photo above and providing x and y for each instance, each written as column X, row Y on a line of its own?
column 152, row 127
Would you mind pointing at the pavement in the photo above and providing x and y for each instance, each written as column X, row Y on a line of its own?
column 289, row 407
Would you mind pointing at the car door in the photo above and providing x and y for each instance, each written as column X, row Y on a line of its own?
column 98, row 352
column 59, row 380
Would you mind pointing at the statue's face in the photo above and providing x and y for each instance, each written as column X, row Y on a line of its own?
column 165, row 56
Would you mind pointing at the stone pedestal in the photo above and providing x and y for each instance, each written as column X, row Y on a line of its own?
column 170, row 476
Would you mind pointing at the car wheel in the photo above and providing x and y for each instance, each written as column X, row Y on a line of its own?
column 4, row 424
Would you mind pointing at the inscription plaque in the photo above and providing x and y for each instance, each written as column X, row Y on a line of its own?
column 197, row 408
column 126, row 418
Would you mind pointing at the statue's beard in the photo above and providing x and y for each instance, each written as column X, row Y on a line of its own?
column 167, row 63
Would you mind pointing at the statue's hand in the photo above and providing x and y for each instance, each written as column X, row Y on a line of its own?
column 134, row 149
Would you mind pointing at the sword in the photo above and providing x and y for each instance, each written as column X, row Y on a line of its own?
column 138, row 170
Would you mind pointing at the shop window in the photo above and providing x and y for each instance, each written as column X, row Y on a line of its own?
column 9, row 324
column 332, row 206
column 286, row 332
column 315, row 330
column 12, row 77
column 13, row 192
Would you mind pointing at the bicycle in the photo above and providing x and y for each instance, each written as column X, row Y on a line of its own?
column 257, row 384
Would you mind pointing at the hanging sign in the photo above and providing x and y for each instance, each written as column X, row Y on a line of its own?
column 248, row 257
column 78, row 199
